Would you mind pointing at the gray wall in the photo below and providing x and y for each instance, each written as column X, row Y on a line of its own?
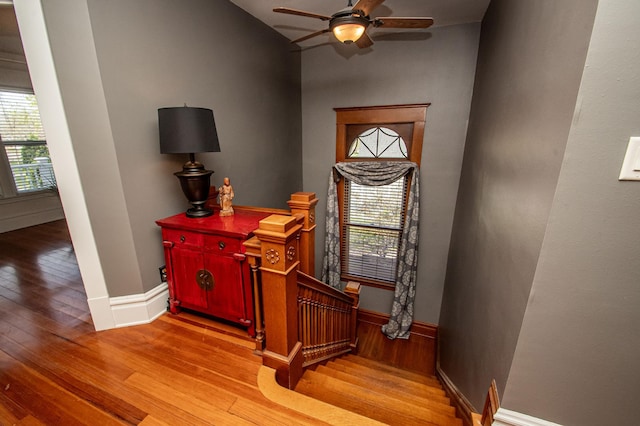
column 437, row 67
column 149, row 54
column 576, row 362
column 529, row 68
column 74, row 54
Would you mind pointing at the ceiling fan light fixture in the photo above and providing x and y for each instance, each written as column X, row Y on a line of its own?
column 348, row 33
column 348, row 29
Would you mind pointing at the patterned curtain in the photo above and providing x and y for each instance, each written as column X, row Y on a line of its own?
column 375, row 173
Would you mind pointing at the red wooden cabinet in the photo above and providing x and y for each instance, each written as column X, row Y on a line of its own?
column 206, row 266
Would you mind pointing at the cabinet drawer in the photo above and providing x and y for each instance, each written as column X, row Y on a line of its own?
column 184, row 238
column 222, row 245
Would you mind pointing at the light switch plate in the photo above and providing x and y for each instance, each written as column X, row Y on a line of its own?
column 631, row 164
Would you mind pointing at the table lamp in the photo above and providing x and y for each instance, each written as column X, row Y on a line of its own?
column 187, row 130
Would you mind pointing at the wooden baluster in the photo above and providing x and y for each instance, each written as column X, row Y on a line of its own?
column 253, row 258
column 310, row 320
column 331, row 338
column 320, row 328
column 330, row 329
column 336, row 324
column 323, row 324
column 311, row 326
column 325, row 327
column 304, row 312
column 307, row 319
column 300, row 318
column 346, row 316
column 340, row 325
column 332, row 324
column 316, row 326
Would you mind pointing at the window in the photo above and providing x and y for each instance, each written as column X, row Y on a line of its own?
column 372, row 227
column 372, row 217
column 25, row 157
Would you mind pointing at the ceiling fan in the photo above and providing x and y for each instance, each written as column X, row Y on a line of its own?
column 349, row 24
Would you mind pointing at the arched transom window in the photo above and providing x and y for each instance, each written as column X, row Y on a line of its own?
column 378, row 142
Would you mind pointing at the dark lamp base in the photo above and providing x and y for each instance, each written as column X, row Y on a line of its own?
column 195, row 183
column 198, row 211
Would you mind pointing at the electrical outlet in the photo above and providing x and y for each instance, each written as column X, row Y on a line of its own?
column 163, row 273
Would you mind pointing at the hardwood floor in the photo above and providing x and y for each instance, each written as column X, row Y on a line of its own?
column 56, row 370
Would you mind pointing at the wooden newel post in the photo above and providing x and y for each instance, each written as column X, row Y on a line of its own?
column 279, row 265
column 304, row 203
column 353, row 289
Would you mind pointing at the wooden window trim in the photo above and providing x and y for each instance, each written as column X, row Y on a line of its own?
column 381, row 115
column 415, row 114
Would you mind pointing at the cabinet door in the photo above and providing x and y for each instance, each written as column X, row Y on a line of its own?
column 226, row 299
column 187, row 267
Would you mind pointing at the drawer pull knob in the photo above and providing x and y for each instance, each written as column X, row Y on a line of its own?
column 221, row 245
column 182, row 238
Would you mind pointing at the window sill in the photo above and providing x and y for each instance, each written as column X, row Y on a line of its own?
column 369, row 282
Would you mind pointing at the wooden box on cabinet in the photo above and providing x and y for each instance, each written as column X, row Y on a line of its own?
column 206, row 266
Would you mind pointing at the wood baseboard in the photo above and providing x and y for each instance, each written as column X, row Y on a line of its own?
column 491, row 405
column 418, row 353
column 464, row 409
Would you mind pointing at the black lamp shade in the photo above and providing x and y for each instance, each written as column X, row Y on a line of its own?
column 185, row 130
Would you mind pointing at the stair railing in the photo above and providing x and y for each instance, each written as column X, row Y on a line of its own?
column 305, row 321
column 325, row 320
column 302, row 208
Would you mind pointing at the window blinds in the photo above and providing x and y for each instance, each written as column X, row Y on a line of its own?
column 372, row 225
column 20, row 118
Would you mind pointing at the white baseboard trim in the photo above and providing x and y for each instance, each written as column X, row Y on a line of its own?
column 139, row 308
column 25, row 220
column 123, row 311
column 101, row 315
column 504, row 417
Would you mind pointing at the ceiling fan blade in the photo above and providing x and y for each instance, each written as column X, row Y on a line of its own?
column 317, row 33
column 367, row 5
column 389, row 22
column 301, row 13
column 364, row 41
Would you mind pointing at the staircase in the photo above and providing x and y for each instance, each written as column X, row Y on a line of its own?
column 380, row 392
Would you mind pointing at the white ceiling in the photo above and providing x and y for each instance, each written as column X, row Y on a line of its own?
column 444, row 12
